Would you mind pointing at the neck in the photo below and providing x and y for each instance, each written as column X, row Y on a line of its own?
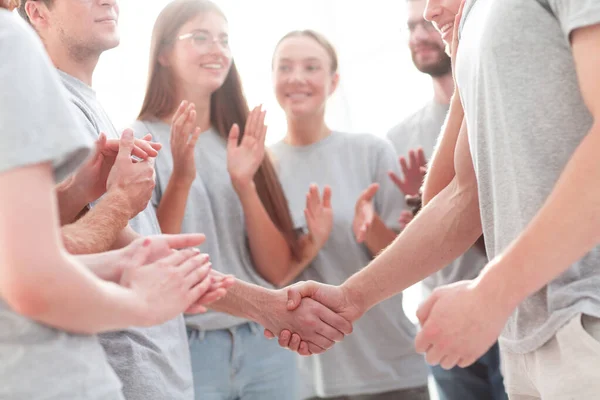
column 443, row 88
column 81, row 68
column 306, row 130
column 202, row 101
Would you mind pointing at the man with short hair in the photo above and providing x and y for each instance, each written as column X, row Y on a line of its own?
column 483, row 379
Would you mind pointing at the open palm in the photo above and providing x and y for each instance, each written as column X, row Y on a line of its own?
column 245, row 156
column 319, row 215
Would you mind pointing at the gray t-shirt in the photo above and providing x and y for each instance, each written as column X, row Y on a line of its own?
column 153, row 363
column 37, row 126
column 213, row 208
column 379, row 356
column 422, row 130
column 526, row 116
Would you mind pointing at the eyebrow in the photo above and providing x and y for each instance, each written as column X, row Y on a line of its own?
column 222, row 34
column 305, row 59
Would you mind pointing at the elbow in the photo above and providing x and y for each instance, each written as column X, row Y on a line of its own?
column 27, row 299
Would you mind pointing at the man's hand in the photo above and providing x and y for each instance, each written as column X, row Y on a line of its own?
column 413, row 171
column 364, row 213
column 335, row 298
column 460, row 323
column 317, row 325
column 135, row 180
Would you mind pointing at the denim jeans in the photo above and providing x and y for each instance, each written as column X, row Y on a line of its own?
column 241, row 364
column 480, row 381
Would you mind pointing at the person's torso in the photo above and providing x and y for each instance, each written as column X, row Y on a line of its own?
column 379, row 355
column 525, row 116
column 154, row 362
column 213, row 208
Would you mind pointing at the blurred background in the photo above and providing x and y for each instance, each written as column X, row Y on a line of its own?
column 379, row 85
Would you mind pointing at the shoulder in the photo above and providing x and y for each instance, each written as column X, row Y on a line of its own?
column 407, row 124
column 365, row 141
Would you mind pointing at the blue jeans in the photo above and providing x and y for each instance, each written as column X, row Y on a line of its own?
column 480, row 381
column 241, row 364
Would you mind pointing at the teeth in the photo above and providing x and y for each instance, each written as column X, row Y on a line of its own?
column 446, row 27
column 298, row 95
column 212, row 66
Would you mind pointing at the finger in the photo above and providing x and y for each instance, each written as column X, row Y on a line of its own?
column 449, row 362
column 413, row 158
column 178, row 136
column 404, row 165
column 423, row 170
column 466, row 362
column 327, row 196
column 212, row 296
column 139, row 251
column 309, row 217
column 198, row 291
column 263, row 132
column 421, row 160
column 426, row 337
column 188, row 126
column 192, row 267
column 313, row 348
column 396, row 179
column 371, row 191
column 299, row 290
column 176, row 258
column 425, row 308
column 268, row 334
column 295, row 342
column 284, row 338
column 434, row 355
column 196, row 309
column 126, row 144
column 250, row 122
column 234, row 137
column 181, row 241
column 180, row 110
column 259, row 123
column 303, row 349
column 195, row 136
column 313, row 195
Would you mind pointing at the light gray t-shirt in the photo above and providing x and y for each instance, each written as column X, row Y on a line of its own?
column 37, row 126
column 379, row 356
column 153, row 363
column 422, row 130
column 526, row 116
column 213, row 208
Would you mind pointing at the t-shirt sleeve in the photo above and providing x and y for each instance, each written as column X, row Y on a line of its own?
column 37, row 125
column 573, row 14
column 389, row 201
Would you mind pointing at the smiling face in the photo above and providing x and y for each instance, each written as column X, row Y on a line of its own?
column 442, row 14
column 84, row 27
column 200, row 57
column 425, row 43
column 303, row 76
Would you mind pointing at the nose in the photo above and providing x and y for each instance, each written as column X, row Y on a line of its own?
column 432, row 10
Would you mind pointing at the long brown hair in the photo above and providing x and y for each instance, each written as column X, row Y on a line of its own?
column 228, row 106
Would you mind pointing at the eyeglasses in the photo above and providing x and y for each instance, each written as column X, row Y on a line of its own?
column 411, row 27
column 203, row 40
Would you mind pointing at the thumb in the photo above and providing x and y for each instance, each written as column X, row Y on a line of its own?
column 126, row 144
column 425, row 308
column 234, row 136
column 298, row 291
column 370, row 192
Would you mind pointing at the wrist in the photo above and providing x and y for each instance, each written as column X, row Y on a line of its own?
column 494, row 284
column 182, row 180
column 243, row 188
column 355, row 298
column 264, row 299
column 118, row 200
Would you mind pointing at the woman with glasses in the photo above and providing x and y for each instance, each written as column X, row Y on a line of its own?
column 378, row 361
column 213, row 176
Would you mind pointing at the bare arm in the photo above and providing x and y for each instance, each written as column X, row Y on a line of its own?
column 99, row 228
column 171, row 208
column 440, row 233
column 33, row 282
column 543, row 251
column 440, row 170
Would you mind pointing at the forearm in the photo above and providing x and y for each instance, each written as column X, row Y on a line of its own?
column 543, row 250
column 379, row 236
column 271, row 253
column 440, row 170
column 98, row 230
column 89, row 305
column 71, row 201
column 171, row 210
column 244, row 300
column 441, row 232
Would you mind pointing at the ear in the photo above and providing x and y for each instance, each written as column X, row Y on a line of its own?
column 335, row 80
column 163, row 58
column 37, row 12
